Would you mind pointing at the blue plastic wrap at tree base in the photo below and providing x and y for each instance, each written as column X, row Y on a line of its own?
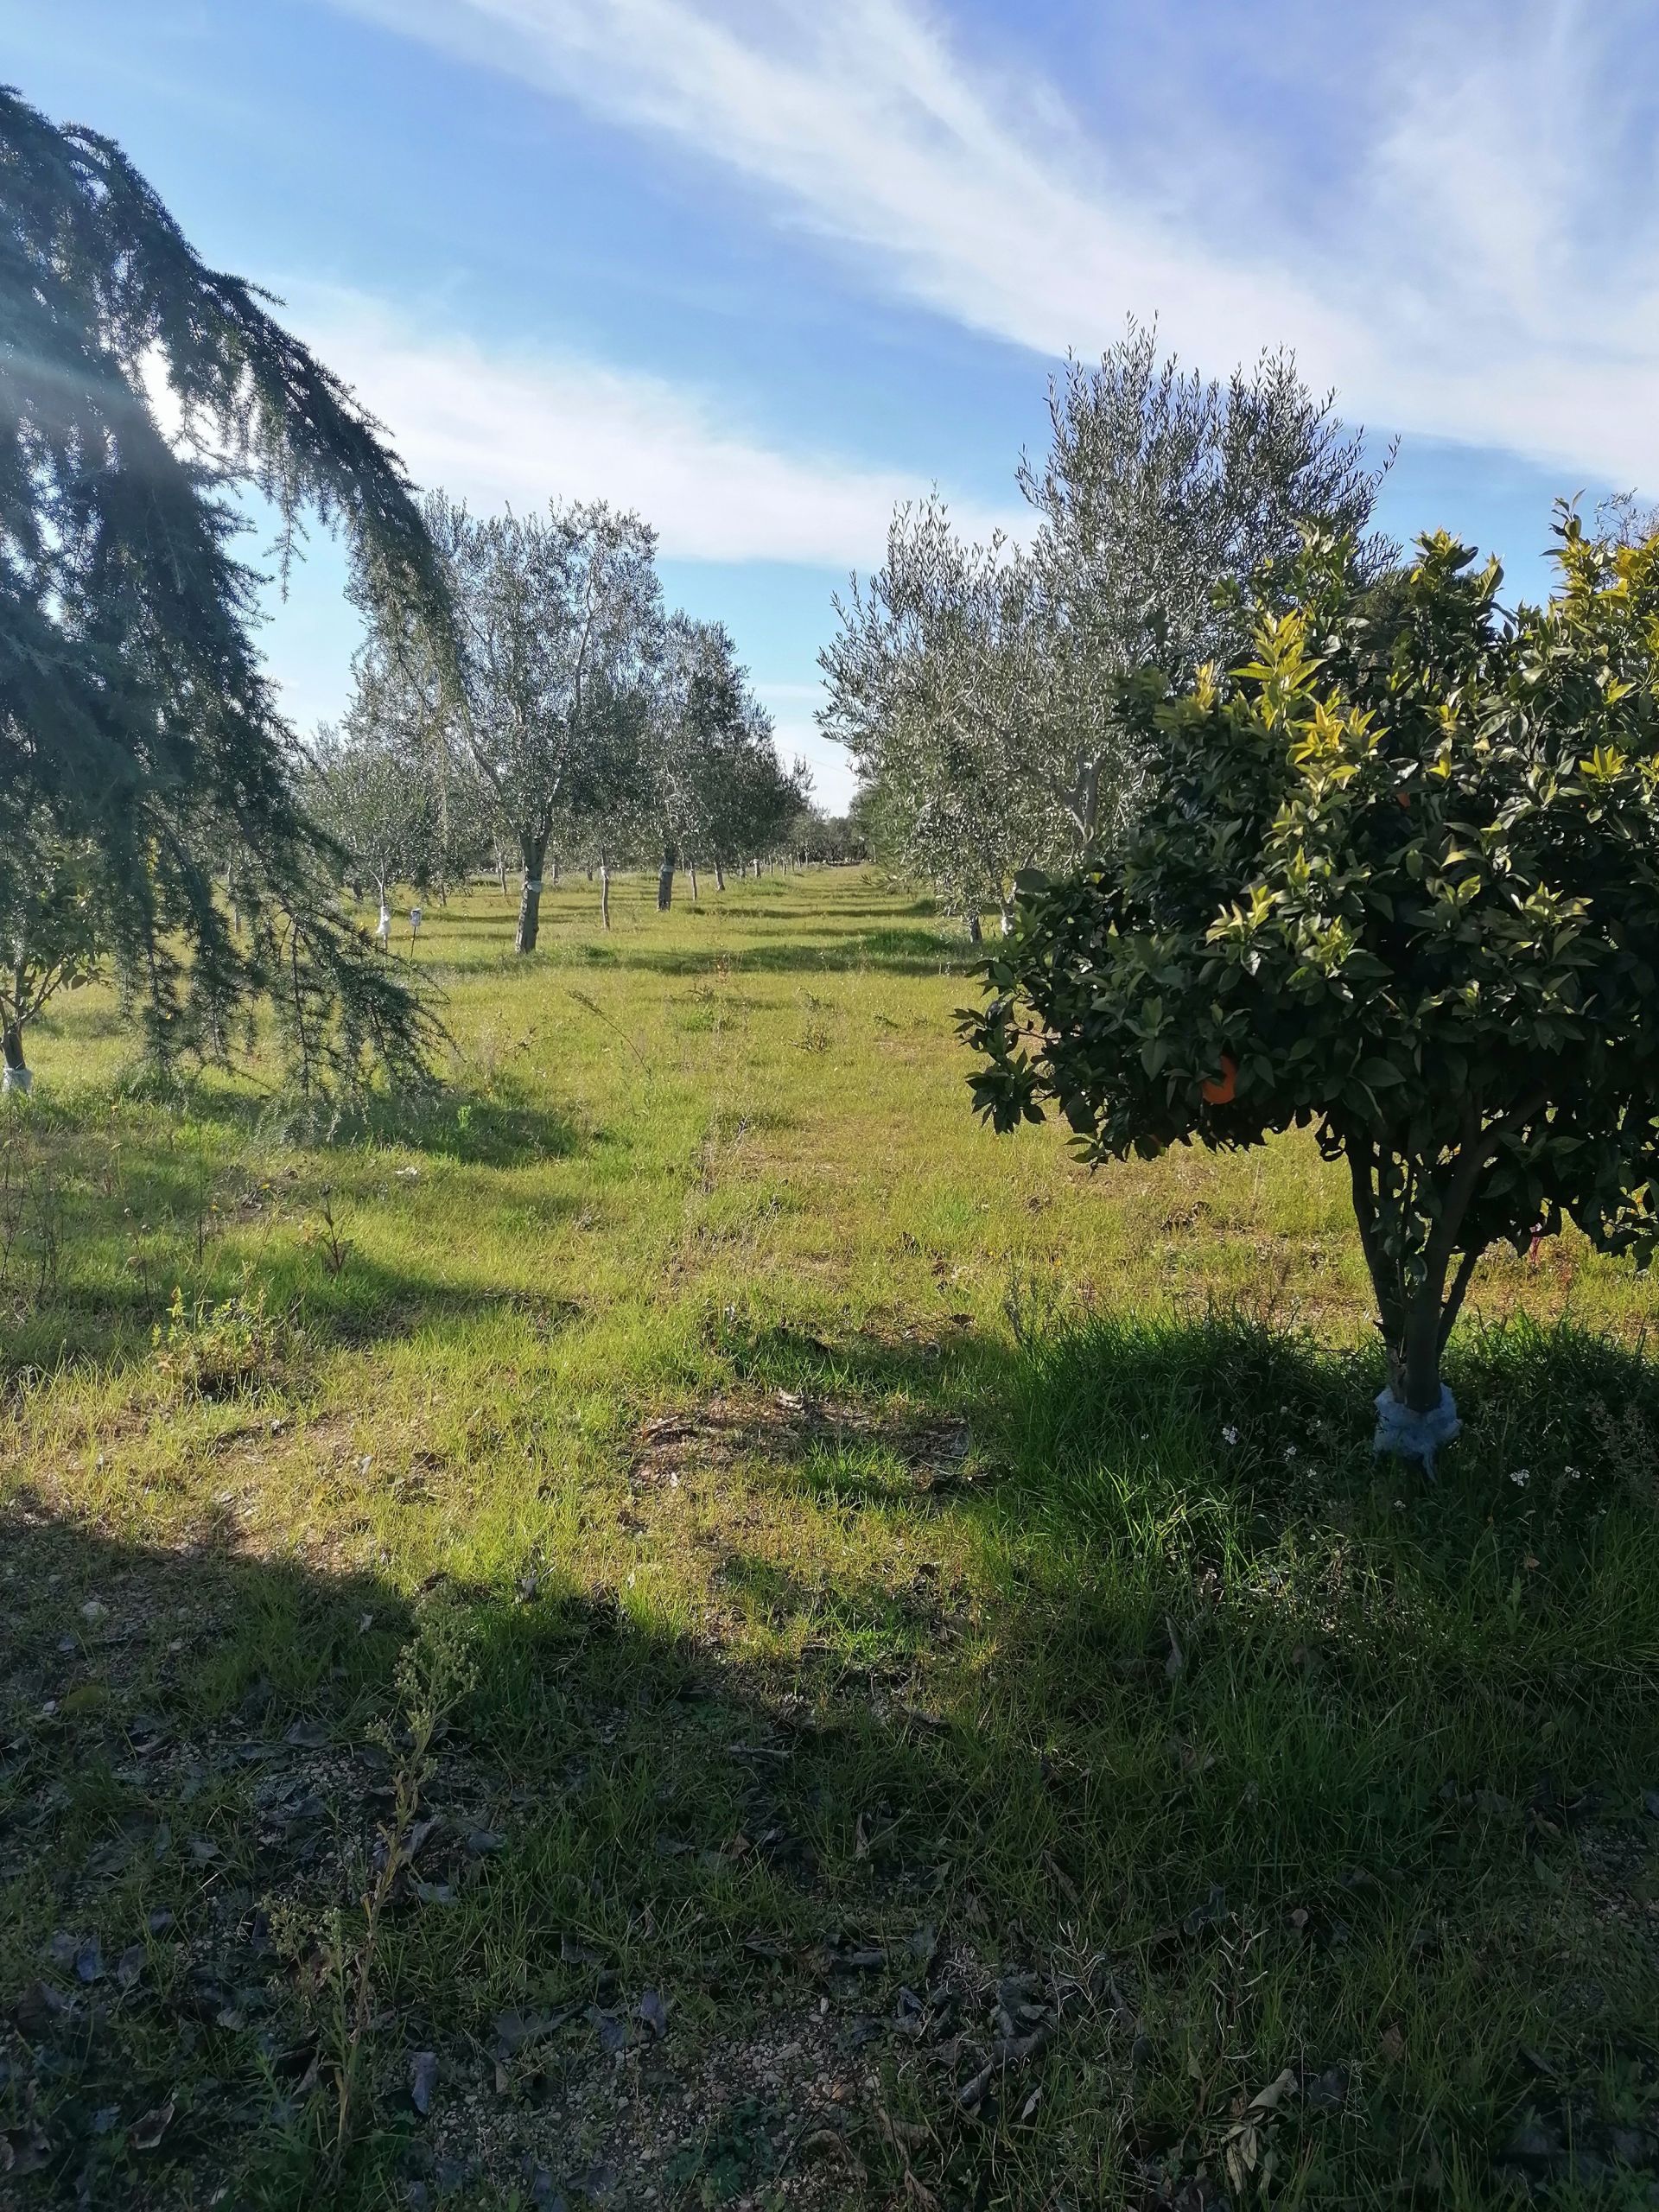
column 1413, row 1435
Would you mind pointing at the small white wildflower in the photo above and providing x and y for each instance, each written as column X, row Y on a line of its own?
column 1290, row 1453
column 1398, row 1505
column 1230, row 1436
column 1520, row 1476
column 1572, row 1474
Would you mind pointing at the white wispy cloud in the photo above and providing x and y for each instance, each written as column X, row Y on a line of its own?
column 1492, row 275
column 498, row 429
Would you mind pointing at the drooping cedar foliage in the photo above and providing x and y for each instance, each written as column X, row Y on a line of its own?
column 138, row 387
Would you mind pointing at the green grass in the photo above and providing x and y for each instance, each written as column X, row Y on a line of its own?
column 932, row 1700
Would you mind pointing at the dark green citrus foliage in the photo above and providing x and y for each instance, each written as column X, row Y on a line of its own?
column 135, row 718
column 1396, row 878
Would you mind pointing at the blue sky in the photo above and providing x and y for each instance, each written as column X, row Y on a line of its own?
column 760, row 268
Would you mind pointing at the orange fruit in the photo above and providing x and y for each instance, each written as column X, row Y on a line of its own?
column 1220, row 1089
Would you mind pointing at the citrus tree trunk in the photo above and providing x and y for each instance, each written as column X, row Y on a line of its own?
column 975, row 935
column 691, row 873
column 17, row 1075
column 530, row 896
column 604, row 894
column 1419, row 1291
column 720, row 877
column 665, row 887
column 1415, row 1362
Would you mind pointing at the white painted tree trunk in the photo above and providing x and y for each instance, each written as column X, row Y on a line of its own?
column 17, row 1074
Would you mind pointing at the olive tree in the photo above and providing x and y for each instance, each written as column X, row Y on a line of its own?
column 1395, row 879
column 976, row 685
column 1163, row 501
column 558, row 616
column 379, row 803
column 750, row 797
column 937, row 686
column 700, row 721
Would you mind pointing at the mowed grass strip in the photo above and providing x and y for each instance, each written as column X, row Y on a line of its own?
column 929, row 1696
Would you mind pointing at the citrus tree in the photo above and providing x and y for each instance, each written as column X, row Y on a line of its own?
column 1396, row 880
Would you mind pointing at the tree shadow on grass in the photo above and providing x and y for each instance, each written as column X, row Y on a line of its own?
column 250, row 1339
column 1244, row 1403
column 475, row 1127
column 1152, row 1790
column 104, row 1215
column 1152, row 1752
column 895, row 951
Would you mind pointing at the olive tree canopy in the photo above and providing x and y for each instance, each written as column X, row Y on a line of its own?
column 975, row 686
column 557, row 616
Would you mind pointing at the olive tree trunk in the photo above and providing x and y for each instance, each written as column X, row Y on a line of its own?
column 530, row 895
column 604, row 894
column 720, row 877
column 691, row 875
column 664, row 886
